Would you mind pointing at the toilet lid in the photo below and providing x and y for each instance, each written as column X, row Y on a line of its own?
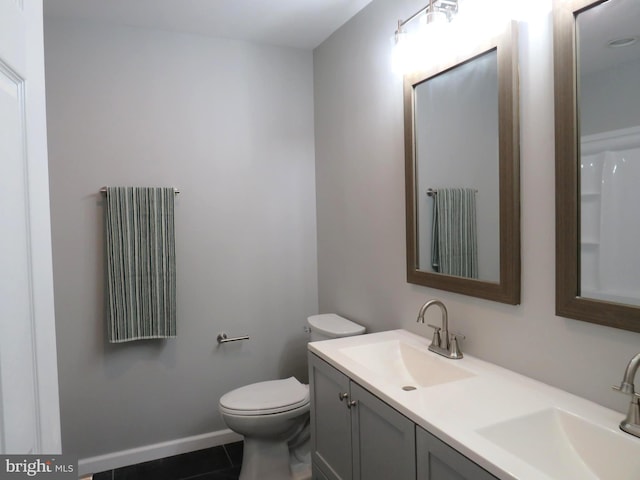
column 274, row 396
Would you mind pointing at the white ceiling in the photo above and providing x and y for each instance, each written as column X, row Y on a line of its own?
column 599, row 25
column 290, row 23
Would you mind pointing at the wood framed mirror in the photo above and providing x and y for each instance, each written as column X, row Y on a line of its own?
column 597, row 128
column 462, row 176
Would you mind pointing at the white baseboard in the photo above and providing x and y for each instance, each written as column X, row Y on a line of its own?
column 147, row 453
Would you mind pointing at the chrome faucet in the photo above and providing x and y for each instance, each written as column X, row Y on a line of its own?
column 631, row 424
column 444, row 342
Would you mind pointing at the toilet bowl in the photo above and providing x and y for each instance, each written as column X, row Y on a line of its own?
column 273, row 416
column 268, row 414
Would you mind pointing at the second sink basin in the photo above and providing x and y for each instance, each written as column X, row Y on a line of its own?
column 405, row 365
column 567, row 446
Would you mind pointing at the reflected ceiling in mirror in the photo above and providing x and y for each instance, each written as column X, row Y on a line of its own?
column 462, row 173
column 597, row 70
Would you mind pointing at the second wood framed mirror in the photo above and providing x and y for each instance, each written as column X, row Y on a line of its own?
column 597, row 121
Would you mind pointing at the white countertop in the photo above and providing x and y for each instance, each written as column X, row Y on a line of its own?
column 455, row 411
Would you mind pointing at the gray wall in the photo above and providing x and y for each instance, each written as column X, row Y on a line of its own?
column 361, row 218
column 231, row 125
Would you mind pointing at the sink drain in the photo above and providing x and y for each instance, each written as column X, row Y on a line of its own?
column 408, row 388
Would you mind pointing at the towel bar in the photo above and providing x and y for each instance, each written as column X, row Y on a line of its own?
column 222, row 338
column 104, row 190
column 432, row 192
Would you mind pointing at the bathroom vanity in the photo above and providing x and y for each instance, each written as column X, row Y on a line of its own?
column 355, row 435
column 384, row 407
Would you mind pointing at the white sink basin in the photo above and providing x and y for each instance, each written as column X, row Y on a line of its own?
column 566, row 446
column 404, row 365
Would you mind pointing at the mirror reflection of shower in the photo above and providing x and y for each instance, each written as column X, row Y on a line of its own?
column 610, row 220
column 609, row 75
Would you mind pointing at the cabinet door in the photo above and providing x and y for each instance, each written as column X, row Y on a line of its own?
column 330, row 422
column 384, row 444
column 438, row 461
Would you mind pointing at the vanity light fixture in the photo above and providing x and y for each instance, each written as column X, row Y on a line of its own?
column 435, row 11
column 410, row 44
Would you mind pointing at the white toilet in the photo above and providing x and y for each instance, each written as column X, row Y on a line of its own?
column 273, row 416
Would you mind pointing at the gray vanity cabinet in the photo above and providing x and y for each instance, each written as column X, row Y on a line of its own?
column 383, row 440
column 330, row 422
column 354, row 435
column 438, row 461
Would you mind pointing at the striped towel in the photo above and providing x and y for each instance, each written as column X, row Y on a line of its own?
column 141, row 263
column 454, row 242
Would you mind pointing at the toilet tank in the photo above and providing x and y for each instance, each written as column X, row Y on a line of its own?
column 329, row 325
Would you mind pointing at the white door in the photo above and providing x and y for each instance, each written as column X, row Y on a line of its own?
column 29, row 410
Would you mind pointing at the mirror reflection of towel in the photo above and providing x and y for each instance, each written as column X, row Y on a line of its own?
column 141, row 263
column 454, row 239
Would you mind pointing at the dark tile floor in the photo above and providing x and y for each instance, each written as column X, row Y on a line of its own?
column 217, row 463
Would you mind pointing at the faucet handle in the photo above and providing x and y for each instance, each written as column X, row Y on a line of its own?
column 437, row 340
column 454, row 350
column 625, row 387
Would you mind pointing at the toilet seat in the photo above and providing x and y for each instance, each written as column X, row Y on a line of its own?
column 266, row 398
